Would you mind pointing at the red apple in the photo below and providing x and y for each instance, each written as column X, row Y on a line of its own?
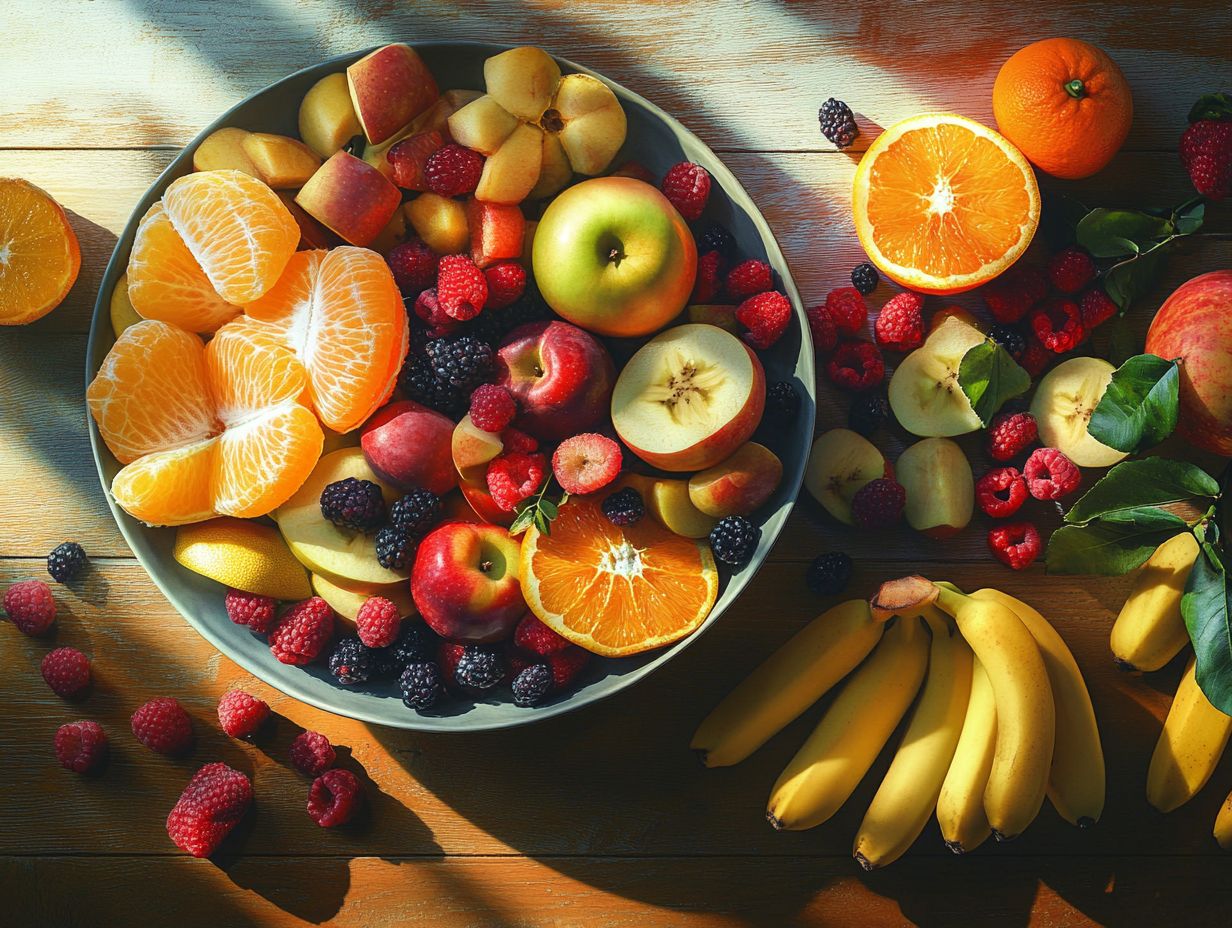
column 465, row 582
column 389, row 88
column 408, row 445
column 1195, row 325
column 560, row 375
column 350, row 197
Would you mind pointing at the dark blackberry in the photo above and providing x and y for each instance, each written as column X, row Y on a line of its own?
column 353, row 662
column 421, row 685
column 864, row 277
column 416, row 512
column 463, row 362
column 395, row 547
column 354, row 504
column 493, row 326
column 782, row 402
column 418, row 383
column 66, row 562
column 531, row 685
column 715, row 237
column 1010, row 338
column 829, row 574
column 416, row 642
column 838, row 123
column 734, row 539
column 480, row 668
column 624, row 507
column 868, row 413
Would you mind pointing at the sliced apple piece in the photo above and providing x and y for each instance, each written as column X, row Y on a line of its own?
column 345, row 599
column 737, row 485
column 590, row 121
column 311, row 233
column 327, row 119
column 496, row 231
column 223, row 150
column 555, row 171
column 940, row 489
column 924, row 391
column 840, row 463
column 283, row 162
column 472, row 449
column 1062, row 407
column 436, row 117
column 440, row 222
column 523, row 80
column 667, row 500
column 512, row 171
column 389, row 88
column 483, row 125
column 350, row 197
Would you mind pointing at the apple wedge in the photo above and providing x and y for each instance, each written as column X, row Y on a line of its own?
column 1062, row 407
column 327, row 119
column 940, row 489
column 924, row 391
column 345, row 599
column 389, row 88
column 351, row 198
column 472, row 449
column 840, row 463
column 223, row 150
column 282, row 162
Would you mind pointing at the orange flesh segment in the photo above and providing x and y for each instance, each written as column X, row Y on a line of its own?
column 39, row 253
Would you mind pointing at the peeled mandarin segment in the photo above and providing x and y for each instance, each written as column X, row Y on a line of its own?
column 264, row 461
column 238, row 230
column 39, row 254
column 169, row 487
column 250, row 372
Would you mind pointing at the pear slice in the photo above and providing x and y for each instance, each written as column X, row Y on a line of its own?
column 512, row 172
column 555, row 172
column 1062, row 407
column 523, row 80
column 483, row 125
column 924, row 391
column 590, row 122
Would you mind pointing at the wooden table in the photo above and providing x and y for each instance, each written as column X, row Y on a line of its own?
column 602, row 817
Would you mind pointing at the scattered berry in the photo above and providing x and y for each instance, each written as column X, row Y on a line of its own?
column 1010, row 434
column 30, row 606
column 734, row 539
column 1070, row 270
column 586, row 463
column 302, row 632
column 687, row 187
column 81, row 746
column 395, row 547
column 506, row 284
column 566, row 665
column 1035, row 357
column 1001, row 492
column 421, row 684
column 864, row 277
column 709, row 282
column 463, row 362
column 531, row 685
column 1096, row 308
column 354, row 504
column 66, row 562
column 513, row 477
column 414, row 267
column 66, row 670
column 241, row 714
column 416, row 642
column 453, row 170
column 717, row 238
column 868, row 413
column 624, row 507
column 162, row 725
column 351, row 661
column 847, row 310
column 377, row 622
column 479, row 668
column 312, row 754
column 461, row 287
column 766, row 316
column 1015, row 545
column 900, row 324
column 334, row 797
column 418, row 381
column 749, row 278
column 1010, row 297
column 856, row 365
column 533, row 636
column 1057, row 323
column 1010, row 338
column 838, row 123
column 518, row 441
column 212, row 803
column 782, row 402
column 829, row 574
column 1206, row 154
column 416, row 512
column 256, row 612
column 1050, row 474
column 879, row 503
column 821, row 325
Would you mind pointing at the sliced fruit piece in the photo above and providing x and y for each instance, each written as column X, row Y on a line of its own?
column 522, row 80
column 1062, row 407
column 482, row 125
column 472, row 449
column 940, row 487
column 282, row 162
column 327, row 119
column 440, row 222
column 511, row 172
column 924, row 391
column 739, row 484
column 169, row 487
column 496, row 231
column 311, row 233
column 345, row 599
column 350, row 197
column 389, row 88
column 555, row 172
column 39, row 253
column 223, row 150
column 841, row 462
column 668, row 501
column 121, row 310
column 242, row 554
column 590, row 122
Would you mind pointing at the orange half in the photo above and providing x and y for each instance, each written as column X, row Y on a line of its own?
column 39, row 253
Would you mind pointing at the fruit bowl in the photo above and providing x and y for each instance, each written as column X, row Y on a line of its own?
column 654, row 139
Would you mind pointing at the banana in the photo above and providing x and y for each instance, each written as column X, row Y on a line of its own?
column 908, row 794
column 788, row 682
column 1223, row 824
column 1194, row 736
column 960, row 806
column 852, row 732
column 1076, row 780
column 1149, row 630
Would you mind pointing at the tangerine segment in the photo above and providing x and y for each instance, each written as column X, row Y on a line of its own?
column 39, row 254
column 169, row 487
column 250, row 370
column 341, row 313
column 616, row 591
column 238, row 230
column 943, row 204
column 262, row 462
column 165, row 281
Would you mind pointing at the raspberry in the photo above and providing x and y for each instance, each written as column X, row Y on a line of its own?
column 531, row 685
column 1035, row 357
column 518, row 441
column 506, row 284
column 829, row 574
column 1010, row 297
column 212, row 803
column 1010, row 338
column 312, row 754
column 766, row 316
column 240, row 714
column 782, row 402
column 1070, row 270
column 448, row 653
column 81, row 746
column 395, row 547
column 636, row 170
column 493, row 407
column 716, row 237
column 1050, row 474
column 462, row 362
column 302, row 632
column 377, row 622
column 1010, row 434
column 708, row 283
column 354, row 504
column 864, row 277
column 256, row 612
column 748, row 278
column 624, row 507
column 1096, row 308
column 1206, row 154
column 428, row 308
column 416, row 512
column 1057, row 323
column 453, row 170
column 825, row 335
column 421, row 685
column 66, row 561
column 868, row 413
column 414, row 267
column 479, row 667
column 900, row 324
column 162, row 725
column 687, row 187
column 1015, row 545
column 513, row 477
column 856, row 365
column 838, row 123
column 566, row 665
column 734, row 539
column 30, row 606
column 1001, row 492
column 533, row 636
column 879, row 503
column 847, row 310
column 351, row 661
column 461, row 287
column 334, row 798
column 408, row 157
column 66, row 670
column 586, row 463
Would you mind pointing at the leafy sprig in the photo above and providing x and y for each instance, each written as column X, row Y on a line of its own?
column 538, row 510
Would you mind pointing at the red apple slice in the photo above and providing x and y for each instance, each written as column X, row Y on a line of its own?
column 389, row 88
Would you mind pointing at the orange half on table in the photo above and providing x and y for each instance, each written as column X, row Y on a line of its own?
column 39, row 254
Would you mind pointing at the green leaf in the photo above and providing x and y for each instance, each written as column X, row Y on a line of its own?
column 1129, row 280
column 1207, row 609
column 1216, row 106
column 1111, row 233
column 1135, row 484
column 1138, row 408
column 524, row 520
column 1189, row 216
column 1111, row 548
column 989, row 377
column 548, row 508
column 542, row 522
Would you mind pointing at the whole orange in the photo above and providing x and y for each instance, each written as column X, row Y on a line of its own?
column 1065, row 104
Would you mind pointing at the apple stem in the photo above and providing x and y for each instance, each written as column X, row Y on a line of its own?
column 485, row 566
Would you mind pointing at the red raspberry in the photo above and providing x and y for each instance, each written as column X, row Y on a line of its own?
column 212, row 803
column 428, row 308
column 900, row 324
column 66, row 670
column 636, row 170
column 513, row 477
column 708, row 284
column 825, row 335
column 566, row 664
column 856, row 365
column 1016, row 544
column 492, row 407
column 447, row 656
column 256, row 612
column 408, row 157
column 533, row 636
column 1096, row 308
column 312, row 754
column 1050, row 474
column 1058, row 325
column 30, row 606
column 1070, row 270
column 517, row 441
column 414, row 267
column 302, row 632
column 378, row 622
column 766, row 316
column 1001, row 492
column 687, row 187
column 453, row 170
column 81, row 746
column 847, row 310
column 461, row 288
column 1011, row 296
column 1035, row 357
column 1206, row 153
column 506, row 284
column 586, row 463
column 879, row 503
column 333, row 798
column 749, row 278
column 162, row 725
column 241, row 714
column 1010, row 434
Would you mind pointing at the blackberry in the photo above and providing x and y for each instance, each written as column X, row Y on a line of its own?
column 416, row 642
column 734, row 539
column 492, row 327
column 624, row 507
column 829, row 574
column 480, row 668
column 717, row 238
column 66, row 562
column 395, row 547
column 463, row 362
column 418, row 383
column 868, row 413
column 421, row 685
column 838, row 123
column 1010, row 338
column 416, row 512
column 353, row 662
column 864, row 277
column 354, row 504
column 782, row 402
column 531, row 685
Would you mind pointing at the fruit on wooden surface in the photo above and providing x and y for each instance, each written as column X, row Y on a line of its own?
column 39, row 254
column 282, row 162
column 1062, row 406
column 120, row 307
column 943, row 204
column 409, row 447
column 223, row 150
column 1223, row 824
column 840, row 463
column 960, row 804
column 465, row 582
column 940, row 487
column 496, row 231
column 1149, row 630
column 472, row 449
column 1195, row 325
column 1194, row 736
column 389, row 88
column 689, row 397
column 738, row 484
column 242, row 554
column 616, row 590
column 327, row 119
column 440, row 222
column 1065, row 104
column 801, row 671
column 347, row 598
column 350, row 197
column 924, row 391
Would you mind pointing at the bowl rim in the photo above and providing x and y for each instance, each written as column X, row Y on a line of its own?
column 136, row 534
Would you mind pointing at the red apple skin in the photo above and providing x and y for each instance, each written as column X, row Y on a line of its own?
column 1195, row 325
column 350, row 197
column 465, row 582
column 482, row 506
column 389, row 88
column 410, row 446
column 561, row 376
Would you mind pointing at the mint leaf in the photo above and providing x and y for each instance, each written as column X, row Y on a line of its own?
column 1113, row 233
column 1138, row 409
column 989, row 377
column 1148, row 482
column 1207, row 610
column 1111, row 548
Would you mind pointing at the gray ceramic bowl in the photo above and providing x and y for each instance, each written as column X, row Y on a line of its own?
column 657, row 141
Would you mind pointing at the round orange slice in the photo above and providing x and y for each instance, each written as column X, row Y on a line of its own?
column 39, row 254
column 616, row 591
column 943, row 204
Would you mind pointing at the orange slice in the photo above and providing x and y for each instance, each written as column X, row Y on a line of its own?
column 616, row 591
column 39, row 254
column 943, row 204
